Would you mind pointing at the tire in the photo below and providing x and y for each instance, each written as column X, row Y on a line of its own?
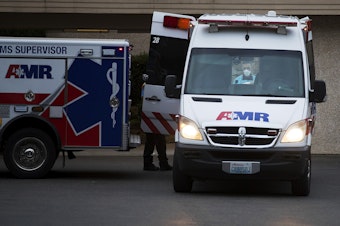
column 29, row 153
column 181, row 182
column 301, row 187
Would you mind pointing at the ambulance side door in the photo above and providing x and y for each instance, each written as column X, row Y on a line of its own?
column 91, row 85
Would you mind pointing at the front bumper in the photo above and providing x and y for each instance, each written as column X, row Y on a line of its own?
column 205, row 162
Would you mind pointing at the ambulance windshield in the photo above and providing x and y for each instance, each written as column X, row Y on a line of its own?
column 245, row 72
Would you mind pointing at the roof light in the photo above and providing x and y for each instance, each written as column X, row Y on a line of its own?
column 183, row 23
column 309, row 25
column 271, row 13
column 213, row 28
column 307, row 28
column 170, row 21
column 175, row 22
column 308, row 22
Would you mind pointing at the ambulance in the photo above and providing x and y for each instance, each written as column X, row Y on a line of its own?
column 246, row 98
column 60, row 95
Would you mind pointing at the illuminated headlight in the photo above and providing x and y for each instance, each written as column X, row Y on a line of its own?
column 295, row 132
column 188, row 129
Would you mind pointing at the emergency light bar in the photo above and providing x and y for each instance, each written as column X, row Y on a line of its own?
column 240, row 23
column 279, row 25
column 176, row 22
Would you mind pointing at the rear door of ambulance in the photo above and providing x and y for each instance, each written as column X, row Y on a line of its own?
column 97, row 96
column 168, row 48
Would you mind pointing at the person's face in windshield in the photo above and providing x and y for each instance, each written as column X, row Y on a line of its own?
column 246, row 69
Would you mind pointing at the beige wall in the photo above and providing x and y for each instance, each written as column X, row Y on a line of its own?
column 326, row 33
column 295, row 7
column 140, row 41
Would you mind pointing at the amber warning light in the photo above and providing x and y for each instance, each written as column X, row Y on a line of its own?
column 175, row 22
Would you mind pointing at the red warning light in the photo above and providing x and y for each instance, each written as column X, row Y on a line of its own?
column 175, row 22
column 170, row 21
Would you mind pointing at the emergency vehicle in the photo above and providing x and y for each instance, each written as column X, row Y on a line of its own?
column 243, row 122
column 62, row 95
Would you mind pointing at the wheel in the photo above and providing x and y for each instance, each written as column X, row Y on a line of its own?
column 29, row 153
column 181, row 182
column 301, row 186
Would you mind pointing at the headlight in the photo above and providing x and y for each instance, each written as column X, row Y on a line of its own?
column 295, row 132
column 188, row 129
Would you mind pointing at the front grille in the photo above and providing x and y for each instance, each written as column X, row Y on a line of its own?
column 254, row 137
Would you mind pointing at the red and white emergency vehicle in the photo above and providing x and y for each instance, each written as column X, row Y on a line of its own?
column 61, row 95
column 246, row 98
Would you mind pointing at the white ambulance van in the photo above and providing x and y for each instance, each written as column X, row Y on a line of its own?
column 247, row 101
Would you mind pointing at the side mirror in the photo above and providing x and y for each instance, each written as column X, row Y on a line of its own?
column 319, row 95
column 171, row 90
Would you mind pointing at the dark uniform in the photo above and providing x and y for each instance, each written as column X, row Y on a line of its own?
column 157, row 140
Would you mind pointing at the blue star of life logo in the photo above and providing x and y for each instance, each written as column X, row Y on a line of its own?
column 93, row 108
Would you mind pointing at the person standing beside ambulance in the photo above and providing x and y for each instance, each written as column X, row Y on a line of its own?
column 154, row 140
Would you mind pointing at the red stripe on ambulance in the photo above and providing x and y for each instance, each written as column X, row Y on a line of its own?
column 148, row 122
column 159, row 123
column 164, row 122
column 19, row 98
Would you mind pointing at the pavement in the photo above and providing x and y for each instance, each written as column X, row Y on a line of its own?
column 138, row 151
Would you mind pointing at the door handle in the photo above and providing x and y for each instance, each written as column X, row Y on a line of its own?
column 153, row 98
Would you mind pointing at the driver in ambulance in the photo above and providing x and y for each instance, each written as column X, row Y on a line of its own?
column 246, row 77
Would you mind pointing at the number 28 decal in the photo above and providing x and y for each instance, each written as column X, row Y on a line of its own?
column 156, row 40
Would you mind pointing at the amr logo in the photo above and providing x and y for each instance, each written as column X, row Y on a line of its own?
column 29, row 72
column 247, row 115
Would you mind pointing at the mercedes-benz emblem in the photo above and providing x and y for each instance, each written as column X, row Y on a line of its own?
column 242, row 136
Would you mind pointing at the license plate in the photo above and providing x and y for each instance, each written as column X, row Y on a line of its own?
column 240, row 167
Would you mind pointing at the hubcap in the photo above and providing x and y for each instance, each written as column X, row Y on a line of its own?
column 29, row 153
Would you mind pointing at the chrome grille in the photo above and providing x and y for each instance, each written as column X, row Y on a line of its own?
column 230, row 137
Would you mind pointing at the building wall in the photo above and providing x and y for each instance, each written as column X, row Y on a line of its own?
column 140, row 41
column 326, row 41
